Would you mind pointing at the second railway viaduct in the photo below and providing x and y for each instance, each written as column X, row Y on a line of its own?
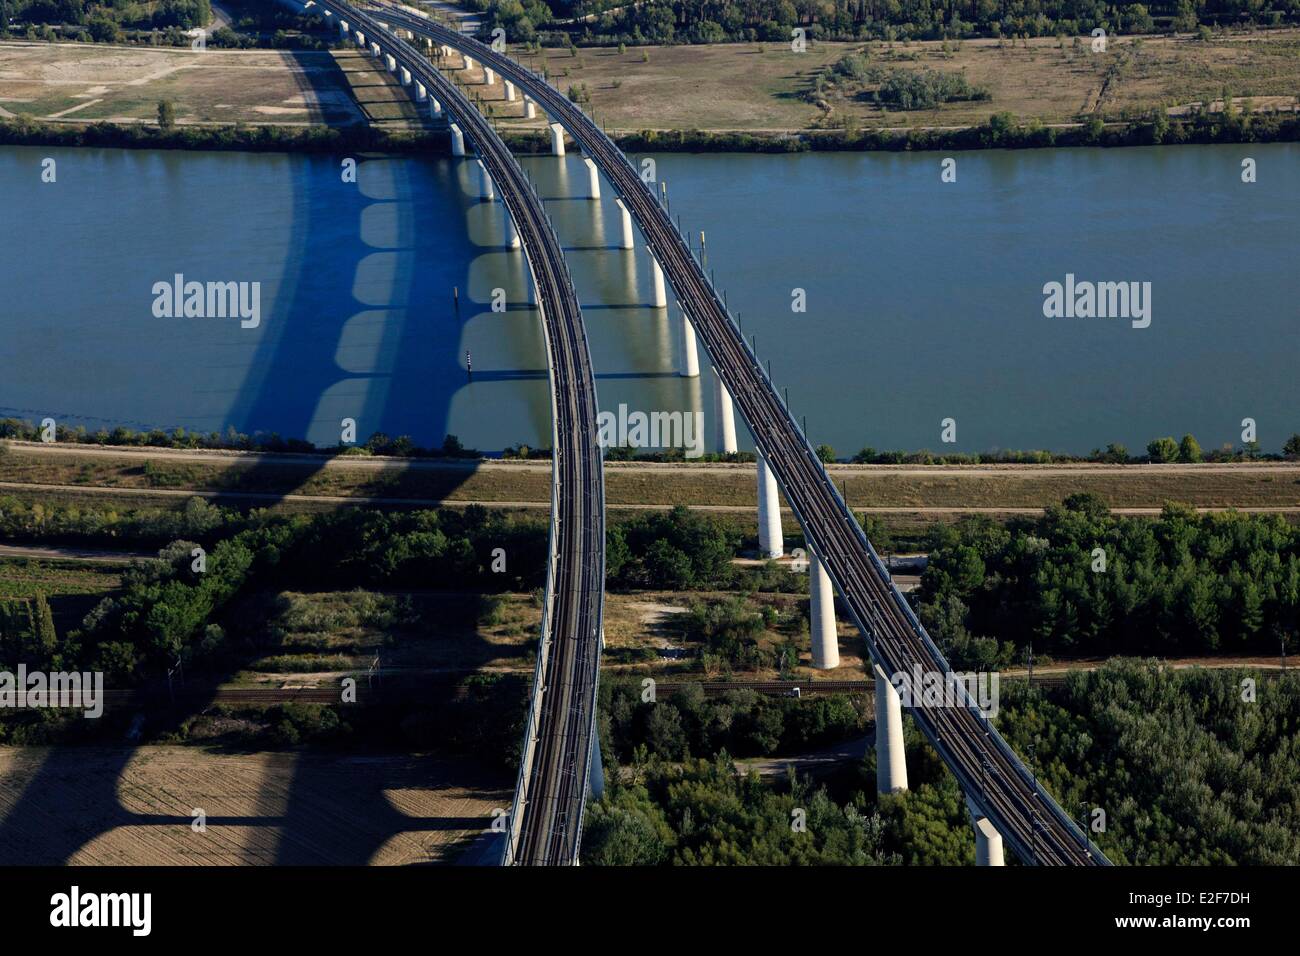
column 1004, row 799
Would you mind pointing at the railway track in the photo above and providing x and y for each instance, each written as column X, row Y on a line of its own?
column 551, row 793
column 988, row 770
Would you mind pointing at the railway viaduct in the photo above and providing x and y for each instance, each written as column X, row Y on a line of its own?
column 561, row 759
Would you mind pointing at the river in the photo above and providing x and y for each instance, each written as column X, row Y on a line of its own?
column 924, row 299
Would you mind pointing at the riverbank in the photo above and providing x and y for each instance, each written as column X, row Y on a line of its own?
column 167, row 478
column 999, row 133
column 696, row 98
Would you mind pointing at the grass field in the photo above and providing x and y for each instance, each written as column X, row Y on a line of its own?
column 72, row 588
column 134, row 807
column 759, row 87
column 93, row 82
column 719, row 486
column 754, row 87
column 321, row 635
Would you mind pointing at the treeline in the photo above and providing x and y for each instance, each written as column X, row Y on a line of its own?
column 1159, row 451
column 743, row 723
column 677, row 550
column 1080, row 581
column 1190, row 767
column 25, row 131
column 162, row 13
column 708, row 814
column 1002, row 131
column 719, row 21
column 231, row 440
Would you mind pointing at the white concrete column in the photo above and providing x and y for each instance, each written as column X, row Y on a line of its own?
column 469, row 63
column 512, row 234
column 988, row 841
column 891, row 758
column 690, row 354
column 660, row 294
column 725, row 416
column 435, row 108
column 361, row 39
column 771, row 544
column 530, row 108
column 343, row 28
column 626, row 241
column 390, row 61
column 457, row 141
column 825, row 635
column 406, row 77
column 375, row 51
column 421, row 94
column 489, row 76
column 593, row 178
column 510, row 91
column 485, row 190
column 557, row 139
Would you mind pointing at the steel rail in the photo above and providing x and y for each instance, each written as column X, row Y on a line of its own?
column 545, row 825
column 990, row 773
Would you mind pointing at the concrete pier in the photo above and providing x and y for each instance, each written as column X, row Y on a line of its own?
column 725, row 416
column 406, row 76
column 593, row 178
column 625, row 242
column 511, row 233
column 375, row 51
column 557, row 139
column 485, row 190
column 435, row 108
column 660, row 294
column 690, row 352
column 988, row 841
column 390, row 62
column 510, row 91
column 825, row 635
column 771, row 544
column 343, row 28
column 457, row 141
column 469, row 63
column 489, row 77
column 891, row 758
column 421, row 94
column 361, row 39
column 530, row 108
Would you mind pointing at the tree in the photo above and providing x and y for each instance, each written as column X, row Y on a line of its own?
column 1162, row 450
column 1116, row 453
column 826, row 453
column 166, row 115
column 1292, row 447
column 46, row 638
column 104, row 30
column 1189, row 450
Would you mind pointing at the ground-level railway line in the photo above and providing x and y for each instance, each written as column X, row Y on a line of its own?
column 989, row 771
column 551, row 793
